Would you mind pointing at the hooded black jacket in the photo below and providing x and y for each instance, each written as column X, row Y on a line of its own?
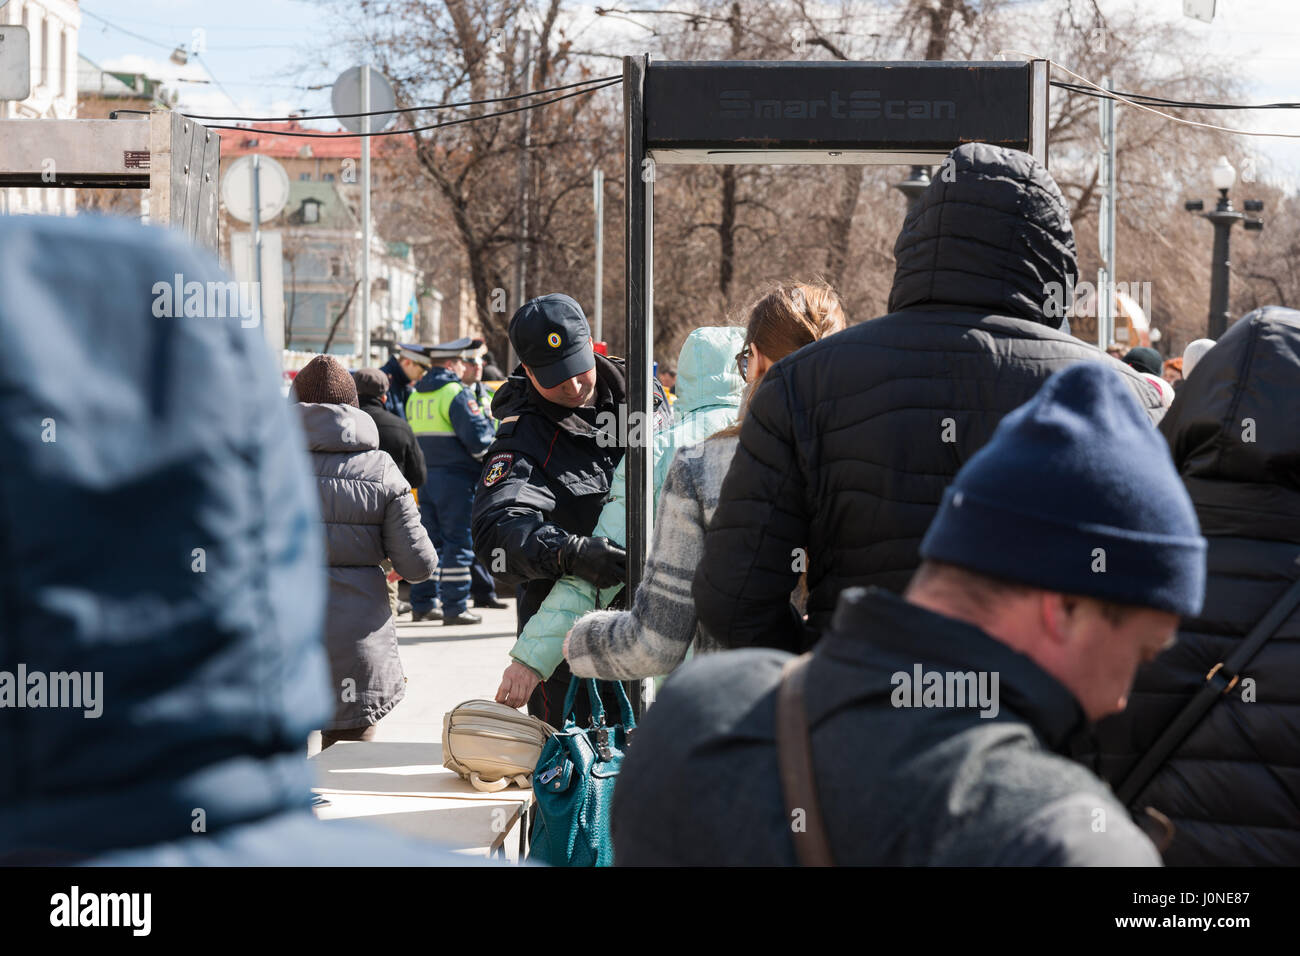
column 1232, row 789
column 849, row 443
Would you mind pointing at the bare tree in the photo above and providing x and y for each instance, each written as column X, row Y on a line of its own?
column 338, row 319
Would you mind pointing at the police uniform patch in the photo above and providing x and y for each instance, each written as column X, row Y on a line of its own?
column 497, row 468
column 472, row 406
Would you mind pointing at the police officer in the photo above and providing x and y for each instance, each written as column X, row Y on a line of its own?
column 547, row 475
column 404, row 369
column 473, row 375
column 454, row 432
column 482, row 587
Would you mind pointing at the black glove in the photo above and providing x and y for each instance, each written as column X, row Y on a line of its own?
column 598, row 560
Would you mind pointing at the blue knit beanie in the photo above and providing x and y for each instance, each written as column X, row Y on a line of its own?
column 1076, row 493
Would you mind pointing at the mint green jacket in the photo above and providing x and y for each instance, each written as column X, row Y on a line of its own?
column 708, row 394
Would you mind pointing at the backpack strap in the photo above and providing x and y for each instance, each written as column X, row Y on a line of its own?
column 794, row 756
column 1221, row 679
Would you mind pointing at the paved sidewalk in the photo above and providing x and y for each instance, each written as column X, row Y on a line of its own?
column 444, row 666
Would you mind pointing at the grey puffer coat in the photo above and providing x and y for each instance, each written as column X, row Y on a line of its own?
column 369, row 515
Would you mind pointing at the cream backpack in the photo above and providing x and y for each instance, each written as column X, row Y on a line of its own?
column 492, row 745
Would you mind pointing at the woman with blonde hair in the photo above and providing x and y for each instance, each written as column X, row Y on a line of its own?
column 654, row 636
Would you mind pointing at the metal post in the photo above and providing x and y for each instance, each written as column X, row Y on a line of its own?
column 1223, row 218
column 255, row 172
column 598, row 191
column 1039, row 104
column 365, row 214
column 914, row 186
column 521, row 243
column 1106, row 226
column 639, row 183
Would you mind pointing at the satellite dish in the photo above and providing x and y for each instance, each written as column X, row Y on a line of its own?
column 346, row 98
column 237, row 189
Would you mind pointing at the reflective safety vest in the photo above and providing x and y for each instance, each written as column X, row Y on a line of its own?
column 485, row 394
column 451, row 427
column 429, row 413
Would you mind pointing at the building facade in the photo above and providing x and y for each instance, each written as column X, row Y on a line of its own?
column 321, row 237
column 52, row 26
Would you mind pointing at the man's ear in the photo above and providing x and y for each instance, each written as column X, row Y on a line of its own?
column 1056, row 612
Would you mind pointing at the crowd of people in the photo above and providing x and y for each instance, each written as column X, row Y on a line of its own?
column 927, row 589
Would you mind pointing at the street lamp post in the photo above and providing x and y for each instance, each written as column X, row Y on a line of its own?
column 1223, row 217
column 916, row 183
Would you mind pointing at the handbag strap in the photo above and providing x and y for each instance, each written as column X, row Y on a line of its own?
column 624, row 706
column 1221, row 679
column 571, row 698
column 524, row 781
column 597, row 707
column 794, row 756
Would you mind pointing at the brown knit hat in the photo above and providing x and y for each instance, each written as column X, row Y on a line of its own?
column 323, row 380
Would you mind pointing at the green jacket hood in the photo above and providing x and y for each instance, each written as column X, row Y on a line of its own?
column 706, row 369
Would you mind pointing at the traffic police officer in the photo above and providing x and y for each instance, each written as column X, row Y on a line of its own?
column 454, row 432
column 473, row 376
column 547, row 475
column 405, row 368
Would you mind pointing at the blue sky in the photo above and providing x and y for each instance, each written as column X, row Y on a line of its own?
column 260, row 54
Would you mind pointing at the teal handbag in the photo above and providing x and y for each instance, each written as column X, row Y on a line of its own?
column 574, row 783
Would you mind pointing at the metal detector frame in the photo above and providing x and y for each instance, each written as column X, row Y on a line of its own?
column 766, row 112
column 172, row 157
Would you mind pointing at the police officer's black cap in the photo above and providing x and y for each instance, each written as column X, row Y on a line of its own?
column 551, row 336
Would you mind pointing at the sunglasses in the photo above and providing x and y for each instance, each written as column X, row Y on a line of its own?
column 742, row 362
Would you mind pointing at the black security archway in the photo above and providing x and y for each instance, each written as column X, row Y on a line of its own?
column 786, row 113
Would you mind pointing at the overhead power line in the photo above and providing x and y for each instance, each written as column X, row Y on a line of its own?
column 418, row 129
column 171, row 46
column 137, row 36
column 603, row 80
column 1150, row 109
column 1162, row 101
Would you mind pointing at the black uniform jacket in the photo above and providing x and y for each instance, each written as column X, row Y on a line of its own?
column 545, row 477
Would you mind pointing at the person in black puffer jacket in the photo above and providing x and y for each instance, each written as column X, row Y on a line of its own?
column 850, row 442
column 1232, row 788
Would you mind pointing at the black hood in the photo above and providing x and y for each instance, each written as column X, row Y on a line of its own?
column 1232, row 429
column 992, row 232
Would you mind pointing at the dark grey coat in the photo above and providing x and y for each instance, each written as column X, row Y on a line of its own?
column 369, row 515
column 932, row 786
